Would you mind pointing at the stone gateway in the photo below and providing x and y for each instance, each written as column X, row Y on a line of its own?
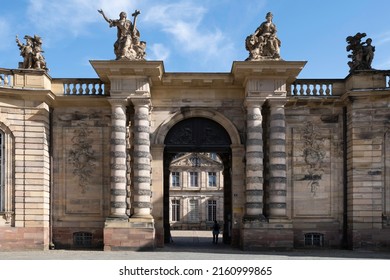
column 284, row 162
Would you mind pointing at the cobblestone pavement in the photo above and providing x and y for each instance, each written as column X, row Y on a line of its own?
column 193, row 245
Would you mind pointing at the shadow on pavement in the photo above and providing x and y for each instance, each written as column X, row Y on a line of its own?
column 201, row 242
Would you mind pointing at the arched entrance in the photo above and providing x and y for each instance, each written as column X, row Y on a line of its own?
column 199, row 135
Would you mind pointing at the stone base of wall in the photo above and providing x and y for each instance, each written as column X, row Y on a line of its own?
column 63, row 238
column 15, row 238
column 159, row 237
column 371, row 239
column 331, row 231
column 133, row 234
column 267, row 236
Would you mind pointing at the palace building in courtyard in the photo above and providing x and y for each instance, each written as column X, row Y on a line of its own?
column 116, row 161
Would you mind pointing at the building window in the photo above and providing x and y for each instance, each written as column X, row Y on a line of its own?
column 175, row 213
column 314, row 239
column 82, row 239
column 211, row 210
column 2, row 172
column 193, row 211
column 212, row 179
column 193, row 179
column 6, row 172
column 175, row 179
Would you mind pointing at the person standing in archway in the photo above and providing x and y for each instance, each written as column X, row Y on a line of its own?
column 216, row 229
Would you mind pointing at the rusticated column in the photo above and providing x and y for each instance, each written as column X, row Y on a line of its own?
column 141, row 158
column 276, row 198
column 254, row 160
column 118, row 158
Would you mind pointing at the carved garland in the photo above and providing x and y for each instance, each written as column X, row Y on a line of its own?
column 313, row 154
column 82, row 157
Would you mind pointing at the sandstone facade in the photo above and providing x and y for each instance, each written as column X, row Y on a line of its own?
column 85, row 161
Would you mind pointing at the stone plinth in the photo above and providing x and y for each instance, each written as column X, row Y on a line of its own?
column 34, row 79
column 131, row 234
column 274, row 234
column 367, row 79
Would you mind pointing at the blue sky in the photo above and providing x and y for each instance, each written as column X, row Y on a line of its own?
column 195, row 35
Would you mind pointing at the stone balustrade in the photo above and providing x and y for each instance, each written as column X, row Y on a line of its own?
column 81, row 86
column 387, row 77
column 93, row 86
column 316, row 87
column 6, row 78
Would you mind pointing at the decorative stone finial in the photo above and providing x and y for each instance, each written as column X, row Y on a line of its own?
column 362, row 52
column 264, row 44
column 32, row 53
column 128, row 44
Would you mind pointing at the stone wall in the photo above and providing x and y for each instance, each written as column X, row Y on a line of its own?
column 319, row 159
column 81, row 153
column 315, row 169
column 25, row 222
column 368, row 156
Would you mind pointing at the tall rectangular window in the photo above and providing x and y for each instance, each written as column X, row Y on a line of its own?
column 193, row 211
column 175, row 213
column 211, row 210
column 175, row 179
column 212, row 179
column 193, row 179
column 2, row 172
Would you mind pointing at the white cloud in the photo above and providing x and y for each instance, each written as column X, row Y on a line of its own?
column 72, row 16
column 183, row 21
column 382, row 39
column 5, row 28
column 158, row 52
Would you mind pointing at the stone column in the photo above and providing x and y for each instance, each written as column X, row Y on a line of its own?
column 142, row 177
column 276, row 194
column 118, row 158
column 254, row 160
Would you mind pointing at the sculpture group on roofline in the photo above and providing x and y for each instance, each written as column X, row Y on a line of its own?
column 362, row 52
column 263, row 44
column 128, row 44
column 32, row 53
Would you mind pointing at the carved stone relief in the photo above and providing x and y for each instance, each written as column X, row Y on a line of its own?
column 82, row 156
column 313, row 153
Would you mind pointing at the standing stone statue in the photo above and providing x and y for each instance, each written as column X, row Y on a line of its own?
column 264, row 44
column 362, row 52
column 128, row 44
column 32, row 53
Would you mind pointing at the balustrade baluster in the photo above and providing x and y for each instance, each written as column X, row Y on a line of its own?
column 301, row 91
column 93, row 89
column 6, row 81
column 307, row 90
column 67, row 88
column 327, row 90
column 80, row 88
column 295, row 91
column 314, row 91
column 87, row 90
column 321, row 91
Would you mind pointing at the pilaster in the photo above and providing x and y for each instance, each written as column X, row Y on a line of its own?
column 276, row 198
column 141, row 168
column 266, row 81
column 254, row 160
column 118, row 191
column 129, row 81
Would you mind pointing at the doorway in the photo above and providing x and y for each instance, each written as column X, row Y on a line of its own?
column 203, row 138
